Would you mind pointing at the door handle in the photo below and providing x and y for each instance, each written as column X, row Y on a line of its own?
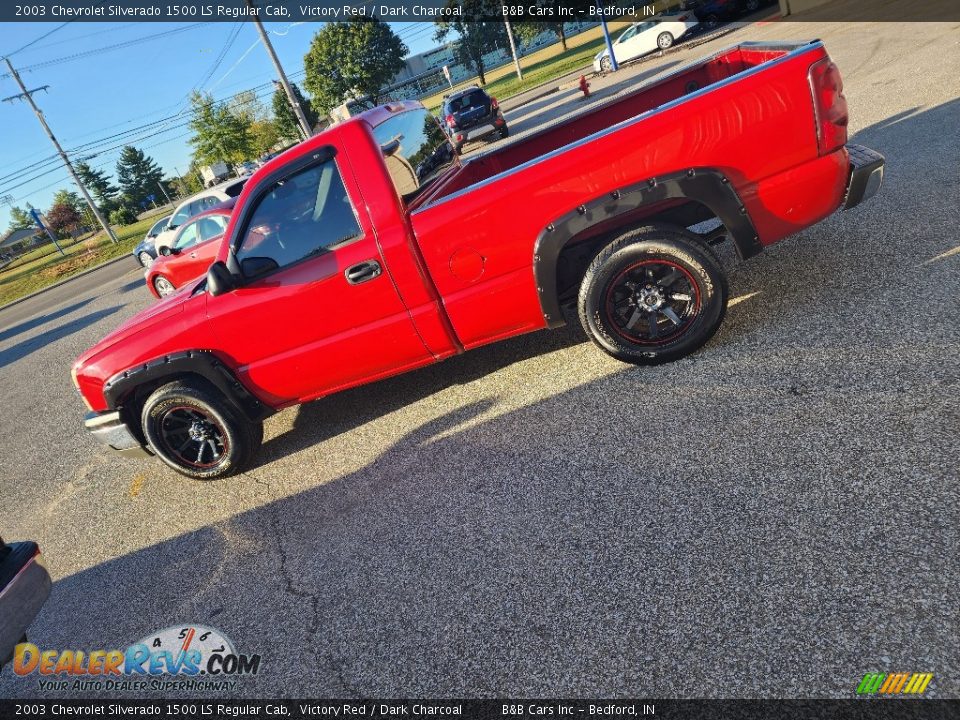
column 361, row 272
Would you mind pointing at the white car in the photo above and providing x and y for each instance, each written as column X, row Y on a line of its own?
column 645, row 37
column 197, row 204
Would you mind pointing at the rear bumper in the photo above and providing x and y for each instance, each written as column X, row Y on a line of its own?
column 866, row 175
column 22, row 596
column 110, row 429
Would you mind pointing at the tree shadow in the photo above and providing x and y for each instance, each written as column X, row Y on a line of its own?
column 26, row 347
column 15, row 330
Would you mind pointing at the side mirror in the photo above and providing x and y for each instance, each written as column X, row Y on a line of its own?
column 219, row 279
column 253, row 267
column 167, row 251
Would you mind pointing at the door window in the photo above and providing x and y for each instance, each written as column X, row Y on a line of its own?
column 187, row 237
column 302, row 215
column 211, row 226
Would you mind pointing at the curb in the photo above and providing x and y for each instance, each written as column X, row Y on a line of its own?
column 64, row 282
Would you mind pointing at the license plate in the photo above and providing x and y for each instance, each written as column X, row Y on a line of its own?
column 480, row 132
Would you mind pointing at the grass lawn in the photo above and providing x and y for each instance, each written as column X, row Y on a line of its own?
column 38, row 273
column 539, row 67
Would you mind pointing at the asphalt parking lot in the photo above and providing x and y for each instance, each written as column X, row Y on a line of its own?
column 776, row 515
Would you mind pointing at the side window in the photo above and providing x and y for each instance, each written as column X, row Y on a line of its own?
column 181, row 217
column 187, row 237
column 302, row 215
column 211, row 226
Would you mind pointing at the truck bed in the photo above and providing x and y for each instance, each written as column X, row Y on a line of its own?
column 671, row 89
column 745, row 114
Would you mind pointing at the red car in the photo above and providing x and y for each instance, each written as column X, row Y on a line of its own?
column 372, row 249
column 193, row 249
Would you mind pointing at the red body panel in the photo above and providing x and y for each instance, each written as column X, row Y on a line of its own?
column 181, row 269
column 458, row 262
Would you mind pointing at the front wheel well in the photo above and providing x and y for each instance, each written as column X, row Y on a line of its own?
column 131, row 404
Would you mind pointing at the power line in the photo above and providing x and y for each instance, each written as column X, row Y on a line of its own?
column 35, row 41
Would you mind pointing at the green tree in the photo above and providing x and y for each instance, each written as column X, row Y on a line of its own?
column 138, row 176
column 218, row 134
column 285, row 120
column 529, row 30
column 263, row 136
column 20, row 219
column 99, row 185
column 352, row 60
column 68, row 198
column 476, row 37
column 247, row 107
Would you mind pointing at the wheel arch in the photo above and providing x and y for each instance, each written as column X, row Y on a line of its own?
column 127, row 391
column 697, row 193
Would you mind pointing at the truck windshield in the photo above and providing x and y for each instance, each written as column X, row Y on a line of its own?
column 415, row 149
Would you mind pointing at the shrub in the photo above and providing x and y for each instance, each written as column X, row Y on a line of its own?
column 123, row 216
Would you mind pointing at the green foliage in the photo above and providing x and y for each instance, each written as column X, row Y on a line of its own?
column 263, row 136
column 123, row 215
column 20, row 219
column 68, row 198
column 475, row 37
column 62, row 217
column 352, row 60
column 99, row 185
column 285, row 120
column 247, row 108
column 218, row 133
column 528, row 30
column 138, row 175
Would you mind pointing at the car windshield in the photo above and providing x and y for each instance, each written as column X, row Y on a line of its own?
column 158, row 227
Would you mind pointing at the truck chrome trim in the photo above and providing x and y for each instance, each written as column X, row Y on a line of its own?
column 110, row 429
column 797, row 50
column 707, row 186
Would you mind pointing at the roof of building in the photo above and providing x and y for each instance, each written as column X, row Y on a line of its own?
column 12, row 237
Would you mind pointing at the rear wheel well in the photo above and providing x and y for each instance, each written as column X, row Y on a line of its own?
column 581, row 249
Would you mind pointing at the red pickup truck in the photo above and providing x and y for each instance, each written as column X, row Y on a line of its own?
column 372, row 249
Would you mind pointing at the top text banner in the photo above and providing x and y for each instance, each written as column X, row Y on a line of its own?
column 58, row 11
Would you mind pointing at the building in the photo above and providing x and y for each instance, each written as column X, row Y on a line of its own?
column 17, row 242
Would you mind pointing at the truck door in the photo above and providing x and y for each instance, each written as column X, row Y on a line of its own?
column 316, row 310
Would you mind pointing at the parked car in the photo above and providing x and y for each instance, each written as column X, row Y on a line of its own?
column 24, row 588
column 196, row 204
column 146, row 251
column 713, row 12
column 214, row 173
column 471, row 114
column 193, row 248
column 646, row 37
column 327, row 277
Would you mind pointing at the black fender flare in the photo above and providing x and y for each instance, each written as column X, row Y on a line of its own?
column 707, row 186
column 194, row 362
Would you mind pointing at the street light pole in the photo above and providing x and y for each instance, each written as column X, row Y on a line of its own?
column 28, row 96
column 614, row 65
column 291, row 98
column 513, row 48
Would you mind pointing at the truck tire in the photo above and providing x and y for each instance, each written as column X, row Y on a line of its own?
column 197, row 432
column 653, row 295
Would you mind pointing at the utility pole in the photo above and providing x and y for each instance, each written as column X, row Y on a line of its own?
column 291, row 98
column 614, row 65
column 164, row 191
column 513, row 48
column 28, row 96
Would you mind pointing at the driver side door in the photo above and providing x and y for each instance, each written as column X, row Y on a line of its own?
column 316, row 310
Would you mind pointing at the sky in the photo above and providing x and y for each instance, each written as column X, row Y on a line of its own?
column 97, row 90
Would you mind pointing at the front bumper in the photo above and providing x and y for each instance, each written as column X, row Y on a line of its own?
column 110, row 429
column 866, row 175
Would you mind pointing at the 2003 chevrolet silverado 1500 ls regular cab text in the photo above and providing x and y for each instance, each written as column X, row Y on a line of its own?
column 371, row 249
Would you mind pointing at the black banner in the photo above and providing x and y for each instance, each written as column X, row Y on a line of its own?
column 470, row 10
column 859, row 709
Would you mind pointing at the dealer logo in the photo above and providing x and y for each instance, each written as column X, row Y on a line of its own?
column 179, row 650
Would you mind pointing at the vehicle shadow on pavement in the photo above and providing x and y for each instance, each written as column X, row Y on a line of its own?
column 658, row 533
column 340, row 413
column 32, row 323
column 25, row 347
